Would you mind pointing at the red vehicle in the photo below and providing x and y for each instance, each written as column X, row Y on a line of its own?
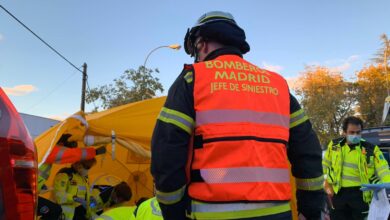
column 18, row 165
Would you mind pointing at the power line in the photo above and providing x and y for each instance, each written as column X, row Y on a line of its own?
column 58, row 53
column 53, row 90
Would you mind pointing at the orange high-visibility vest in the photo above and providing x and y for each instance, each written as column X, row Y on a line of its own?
column 241, row 133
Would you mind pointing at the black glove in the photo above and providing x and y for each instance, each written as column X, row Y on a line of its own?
column 100, row 150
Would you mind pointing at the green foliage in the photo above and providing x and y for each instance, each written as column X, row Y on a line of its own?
column 132, row 86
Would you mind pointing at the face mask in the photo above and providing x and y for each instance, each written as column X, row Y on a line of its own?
column 354, row 139
column 83, row 172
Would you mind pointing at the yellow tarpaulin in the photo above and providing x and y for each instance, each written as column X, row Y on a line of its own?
column 132, row 127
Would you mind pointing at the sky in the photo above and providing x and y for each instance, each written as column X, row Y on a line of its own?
column 112, row 36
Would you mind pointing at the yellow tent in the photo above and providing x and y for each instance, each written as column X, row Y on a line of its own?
column 130, row 128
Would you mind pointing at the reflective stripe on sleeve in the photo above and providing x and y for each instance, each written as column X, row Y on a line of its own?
column 169, row 198
column 177, row 118
column 310, row 184
column 84, row 154
column 298, row 118
column 232, row 116
column 245, row 174
column 59, row 155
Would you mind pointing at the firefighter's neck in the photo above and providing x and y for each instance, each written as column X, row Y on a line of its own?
column 204, row 48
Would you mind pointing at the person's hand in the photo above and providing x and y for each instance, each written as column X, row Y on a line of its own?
column 101, row 150
column 328, row 189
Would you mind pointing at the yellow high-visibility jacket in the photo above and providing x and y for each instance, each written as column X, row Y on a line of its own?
column 347, row 166
column 68, row 185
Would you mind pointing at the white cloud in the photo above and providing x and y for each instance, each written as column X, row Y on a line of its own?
column 19, row 90
column 341, row 68
column 273, row 68
column 60, row 117
column 345, row 63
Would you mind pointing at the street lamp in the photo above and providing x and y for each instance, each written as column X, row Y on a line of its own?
column 172, row 46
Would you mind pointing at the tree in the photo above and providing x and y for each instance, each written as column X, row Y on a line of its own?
column 372, row 89
column 327, row 99
column 143, row 86
column 383, row 54
column 382, row 58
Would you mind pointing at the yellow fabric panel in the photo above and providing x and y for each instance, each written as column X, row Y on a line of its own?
column 47, row 140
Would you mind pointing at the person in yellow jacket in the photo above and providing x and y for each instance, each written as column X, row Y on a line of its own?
column 63, row 152
column 348, row 163
column 149, row 210
column 71, row 187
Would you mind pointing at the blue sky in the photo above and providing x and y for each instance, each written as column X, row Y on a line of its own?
column 112, row 36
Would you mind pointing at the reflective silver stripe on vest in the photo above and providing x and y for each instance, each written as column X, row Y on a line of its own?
column 350, row 165
column 83, row 154
column 351, row 178
column 222, row 116
column 45, row 172
column 245, row 174
column 60, row 154
column 215, row 207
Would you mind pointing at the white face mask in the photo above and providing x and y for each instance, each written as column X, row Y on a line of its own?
column 83, row 172
column 354, row 139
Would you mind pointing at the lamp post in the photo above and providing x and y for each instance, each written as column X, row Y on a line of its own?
column 172, row 46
